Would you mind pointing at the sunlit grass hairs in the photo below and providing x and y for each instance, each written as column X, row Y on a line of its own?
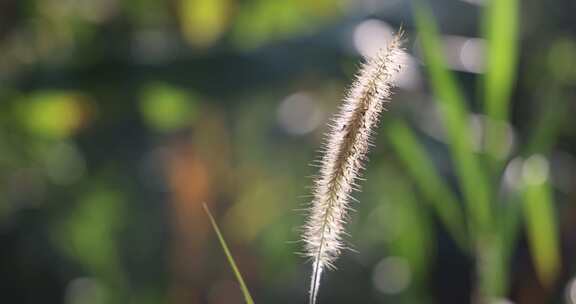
column 343, row 158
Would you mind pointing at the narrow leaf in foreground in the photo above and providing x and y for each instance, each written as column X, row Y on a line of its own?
column 245, row 292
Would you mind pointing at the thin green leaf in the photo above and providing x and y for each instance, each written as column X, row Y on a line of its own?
column 550, row 115
column 540, row 219
column 548, row 123
column 456, row 121
column 429, row 181
column 245, row 291
column 509, row 224
column 501, row 32
column 508, row 234
column 492, row 268
column 417, row 246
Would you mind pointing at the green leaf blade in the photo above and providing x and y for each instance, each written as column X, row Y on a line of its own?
column 501, row 32
column 540, row 218
column 243, row 287
column 456, row 115
column 421, row 168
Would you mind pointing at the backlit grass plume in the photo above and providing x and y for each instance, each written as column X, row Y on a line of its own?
column 343, row 156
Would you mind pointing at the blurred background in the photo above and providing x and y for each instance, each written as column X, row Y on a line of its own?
column 118, row 118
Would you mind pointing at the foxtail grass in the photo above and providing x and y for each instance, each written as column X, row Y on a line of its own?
column 344, row 156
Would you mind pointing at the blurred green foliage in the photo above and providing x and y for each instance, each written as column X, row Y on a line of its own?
column 186, row 101
column 166, row 108
column 52, row 114
column 90, row 235
column 490, row 239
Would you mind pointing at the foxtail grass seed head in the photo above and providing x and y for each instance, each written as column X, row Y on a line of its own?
column 343, row 157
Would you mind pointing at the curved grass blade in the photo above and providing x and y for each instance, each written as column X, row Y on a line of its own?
column 501, row 32
column 455, row 113
column 421, row 168
column 549, row 121
column 540, row 219
column 419, row 246
column 245, row 291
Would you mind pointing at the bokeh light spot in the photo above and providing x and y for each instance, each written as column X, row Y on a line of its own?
column 392, row 275
column 370, row 36
column 85, row 290
column 299, row 114
column 535, row 170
